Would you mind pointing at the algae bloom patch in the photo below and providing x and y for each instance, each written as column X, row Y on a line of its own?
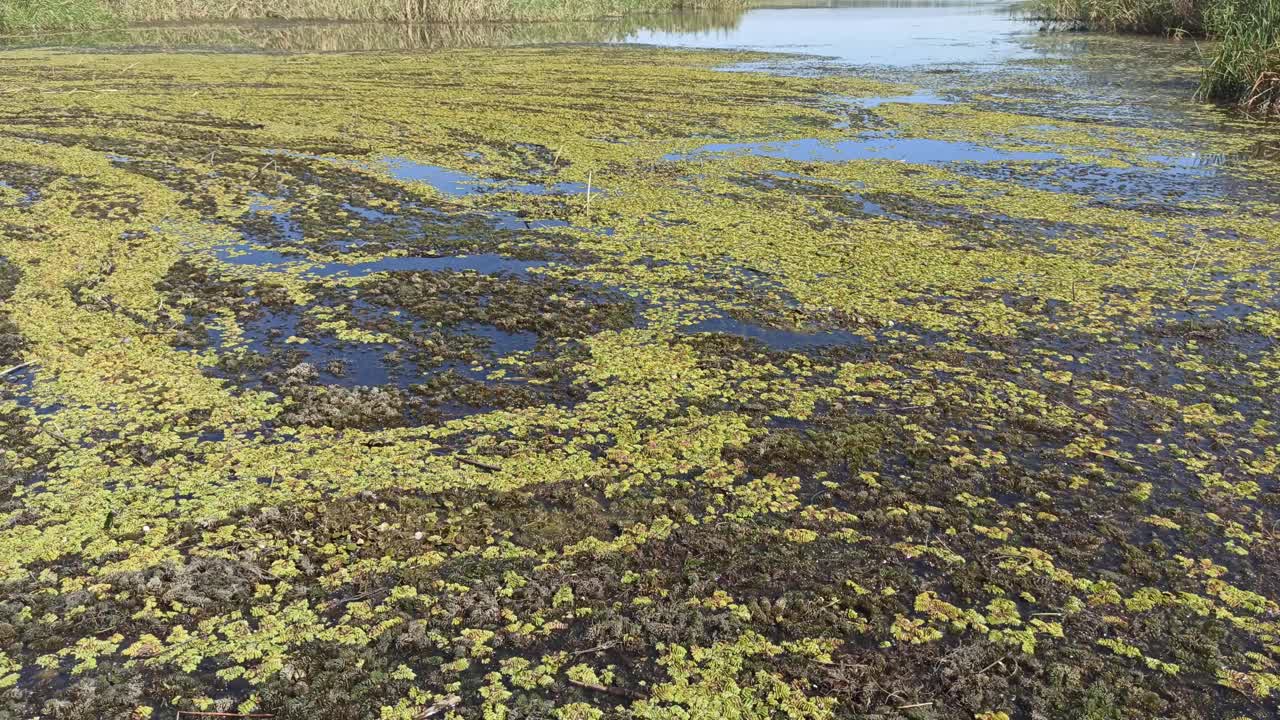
column 582, row 382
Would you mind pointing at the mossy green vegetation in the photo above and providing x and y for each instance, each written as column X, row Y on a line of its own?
column 346, row 398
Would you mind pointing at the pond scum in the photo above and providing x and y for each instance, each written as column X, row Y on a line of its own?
column 476, row 385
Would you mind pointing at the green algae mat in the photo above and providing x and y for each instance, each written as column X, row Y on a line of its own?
column 586, row 383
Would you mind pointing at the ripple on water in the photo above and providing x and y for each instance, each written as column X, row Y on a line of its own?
column 1172, row 182
column 919, row 97
column 923, row 151
column 456, row 183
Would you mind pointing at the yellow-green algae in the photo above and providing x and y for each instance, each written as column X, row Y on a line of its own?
column 1037, row 479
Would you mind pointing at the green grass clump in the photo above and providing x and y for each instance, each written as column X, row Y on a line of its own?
column 1242, row 67
column 43, row 15
column 1245, row 65
column 1141, row 16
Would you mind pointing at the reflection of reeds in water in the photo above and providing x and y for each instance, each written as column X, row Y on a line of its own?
column 356, row 36
column 18, row 16
column 451, row 11
column 336, row 36
column 1244, row 64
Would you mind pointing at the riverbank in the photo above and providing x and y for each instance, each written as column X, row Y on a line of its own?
column 1243, row 66
column 21, row 16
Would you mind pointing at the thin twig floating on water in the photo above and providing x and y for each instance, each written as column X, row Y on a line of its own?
column 446, row 704
column 192, row 712
column 16, row 368
column 598, row 648
column 343, row 601
column 481, row 465
column 44, row 428
column 993, row 664
column 269, row 163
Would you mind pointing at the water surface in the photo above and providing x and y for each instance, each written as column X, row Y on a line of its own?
column 867, row 32
column 879, row 32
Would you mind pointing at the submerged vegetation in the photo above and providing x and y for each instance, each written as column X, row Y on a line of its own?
column 600, row 383
column 47, row 15
column 1243, row 64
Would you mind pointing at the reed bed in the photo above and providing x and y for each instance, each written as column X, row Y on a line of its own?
column 1245, row 65
column 345, row 36
column 47, row 15
column 18, row 16
column 1242, row 63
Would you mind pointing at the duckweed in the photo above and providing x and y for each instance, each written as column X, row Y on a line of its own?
column 268, row 456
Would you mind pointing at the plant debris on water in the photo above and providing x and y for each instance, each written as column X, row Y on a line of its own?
column 596, row 382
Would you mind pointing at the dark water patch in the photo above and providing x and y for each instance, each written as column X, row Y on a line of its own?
column 490, row 263
column 324, row 381
column 514, row 221
column 12, row 343
column 423, row 346
column 919, row 97
column 500, row 342
column 1207, row 312
column 779, row 339
column 278, row 341
column 26, row 196
column 911, row 150
column 274, row 333
column 986, row 229
column 487, row 263
column 456, row 183
column 266, row 223
column 313, row 168
column 449, row 182
column 26, row 181
column 369, row 214
column 980, row 229
column 372, row 216
column 837, row 198
column 554, row 309
column 200, row 292
column 1200, row 354
column 1135, row 188
column 18, row 385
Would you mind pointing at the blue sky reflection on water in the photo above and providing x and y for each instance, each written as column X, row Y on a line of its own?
column 874, row 33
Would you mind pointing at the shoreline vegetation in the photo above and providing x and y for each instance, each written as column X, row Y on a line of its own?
column 36, row 16
column 346, row 36
column 1242, row 66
